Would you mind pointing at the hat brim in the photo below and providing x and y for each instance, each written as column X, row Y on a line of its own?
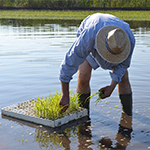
column 102, row 49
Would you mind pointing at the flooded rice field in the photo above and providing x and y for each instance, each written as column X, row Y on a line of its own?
column 30, row 55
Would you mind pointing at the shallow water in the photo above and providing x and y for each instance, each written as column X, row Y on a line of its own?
column 30, row 55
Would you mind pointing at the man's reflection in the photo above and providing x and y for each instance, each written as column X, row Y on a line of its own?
column 123, row 135
column 65, row 141
column 84, row 130
column 84, row 136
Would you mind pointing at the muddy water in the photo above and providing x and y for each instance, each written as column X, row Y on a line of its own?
column 30, row 56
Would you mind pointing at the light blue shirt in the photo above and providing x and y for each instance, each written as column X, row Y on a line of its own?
column 84, row 45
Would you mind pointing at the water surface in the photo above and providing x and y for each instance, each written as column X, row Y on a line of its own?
column 30, row 55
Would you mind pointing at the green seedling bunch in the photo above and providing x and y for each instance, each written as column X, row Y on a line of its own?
column 49, row 107
column 99, row 95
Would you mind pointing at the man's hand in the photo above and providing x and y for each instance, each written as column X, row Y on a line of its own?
column 64, row 103
column 108, row 89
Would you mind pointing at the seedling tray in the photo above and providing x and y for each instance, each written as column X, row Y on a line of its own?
column 25, row 111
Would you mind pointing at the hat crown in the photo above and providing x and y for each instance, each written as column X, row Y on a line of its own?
column 112, row 44
column 116, row 40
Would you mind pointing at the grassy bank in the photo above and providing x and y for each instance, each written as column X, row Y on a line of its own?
column 72, row 3
column 71, row 15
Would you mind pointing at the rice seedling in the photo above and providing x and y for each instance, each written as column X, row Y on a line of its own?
column 49, row 107
column 99, row 94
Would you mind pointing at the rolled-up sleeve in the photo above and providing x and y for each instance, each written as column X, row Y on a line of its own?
column 76, row 54
column 118, row 72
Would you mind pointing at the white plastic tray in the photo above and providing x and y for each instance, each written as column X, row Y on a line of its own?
column 25, row 111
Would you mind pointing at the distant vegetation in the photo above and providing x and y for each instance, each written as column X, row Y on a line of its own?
column 75, row 3
column 141, row 15
column 70, row 15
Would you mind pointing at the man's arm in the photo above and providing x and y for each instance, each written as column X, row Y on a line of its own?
column 76, row 55
column 64, row 101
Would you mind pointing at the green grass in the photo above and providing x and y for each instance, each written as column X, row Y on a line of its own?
column 77, row 3
column 49, row 107
column 71, row 15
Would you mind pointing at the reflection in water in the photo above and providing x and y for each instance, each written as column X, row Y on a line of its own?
column 82, row 132
column 63, row 23
column 51, row 140
column 63, row 137
column 84, row 136
column 48, row 139
column 123, row 135
column 55, row 139
column 139, row 24
column 38, row 22
column 60, row 137
column 124, row 132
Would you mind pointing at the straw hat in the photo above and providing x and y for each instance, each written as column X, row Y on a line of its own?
column 112, row 44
